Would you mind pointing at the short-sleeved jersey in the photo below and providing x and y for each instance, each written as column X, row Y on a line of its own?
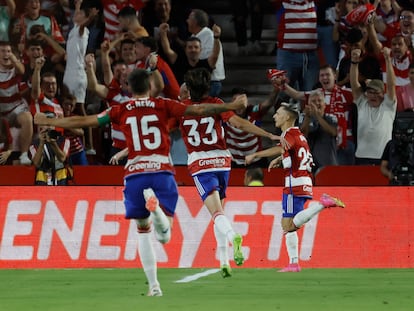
column 143, row 121
column 297, row 162
column 205, row 141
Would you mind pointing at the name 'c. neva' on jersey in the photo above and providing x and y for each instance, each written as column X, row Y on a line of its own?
column 139, row 104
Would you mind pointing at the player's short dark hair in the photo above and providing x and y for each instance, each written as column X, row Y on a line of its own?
column 198, row 83
column 139, row 81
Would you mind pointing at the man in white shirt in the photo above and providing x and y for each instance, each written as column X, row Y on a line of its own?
column 197, row 23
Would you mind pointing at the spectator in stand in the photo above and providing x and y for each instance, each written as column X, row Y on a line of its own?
column 240, row 11
column 191, row 60
column 320, row 129
column 376, row 111
column 20, row 31
column 341, row 27
column 149, row 197
column 158, row 12
column 405, row 94
column 128, row 22
column 77, row 154
column 7, row 10
column 62, row 11
column 75, row 77
column 405, row 26
column 339, row 102
column 44, row 91
column 197, row 23
column 253, row 177
column 12, row 105
column 49, row 154
column 241, row 143
column 209, row 160
column 328, row 48
column 387, row 13
column 401, row 56
column 41, row 45
column 127, row 51
column 369, row 67
column 298, row 43
column 144, row 48
column 111, row 9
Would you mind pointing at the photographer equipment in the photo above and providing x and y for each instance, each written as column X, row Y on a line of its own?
column 402, row 152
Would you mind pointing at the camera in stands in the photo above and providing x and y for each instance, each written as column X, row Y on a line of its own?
column 403, row 137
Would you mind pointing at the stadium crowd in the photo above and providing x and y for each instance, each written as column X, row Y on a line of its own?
column 347, row 64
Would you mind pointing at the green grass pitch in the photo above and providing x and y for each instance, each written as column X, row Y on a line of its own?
column 247, row 289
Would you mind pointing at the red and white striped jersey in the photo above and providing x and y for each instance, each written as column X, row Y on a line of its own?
column 111, row 9
column 205, row 140
column 297, row 26
column 10, row 88
column 401, row 68
column 241, row 143
column 144, row 124
column 44, row 104
column 297, row 162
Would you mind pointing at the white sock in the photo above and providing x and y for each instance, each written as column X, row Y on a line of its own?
column 224, row 226
column 222, row 246
column 307, row 214
column 292, row 241
column 147, row 256
column 161, row 225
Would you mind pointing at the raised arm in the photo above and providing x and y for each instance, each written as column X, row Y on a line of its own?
column 270, row 152
column 212, row 59
column 390, row 75
column 373, row 38
column 59, row 50
column 108, row 75
column 165, row 43
column 207, row 109
column 93, row 85
column 354, row 73
column 247, row 126
column 35, row 93
column 68, row 122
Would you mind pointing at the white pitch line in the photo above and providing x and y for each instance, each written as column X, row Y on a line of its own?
column 197, row 276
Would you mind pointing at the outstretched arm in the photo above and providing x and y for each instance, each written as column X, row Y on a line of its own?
column 68, row 122
column 247, row 126
column 207, row 109
column 270, row 152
